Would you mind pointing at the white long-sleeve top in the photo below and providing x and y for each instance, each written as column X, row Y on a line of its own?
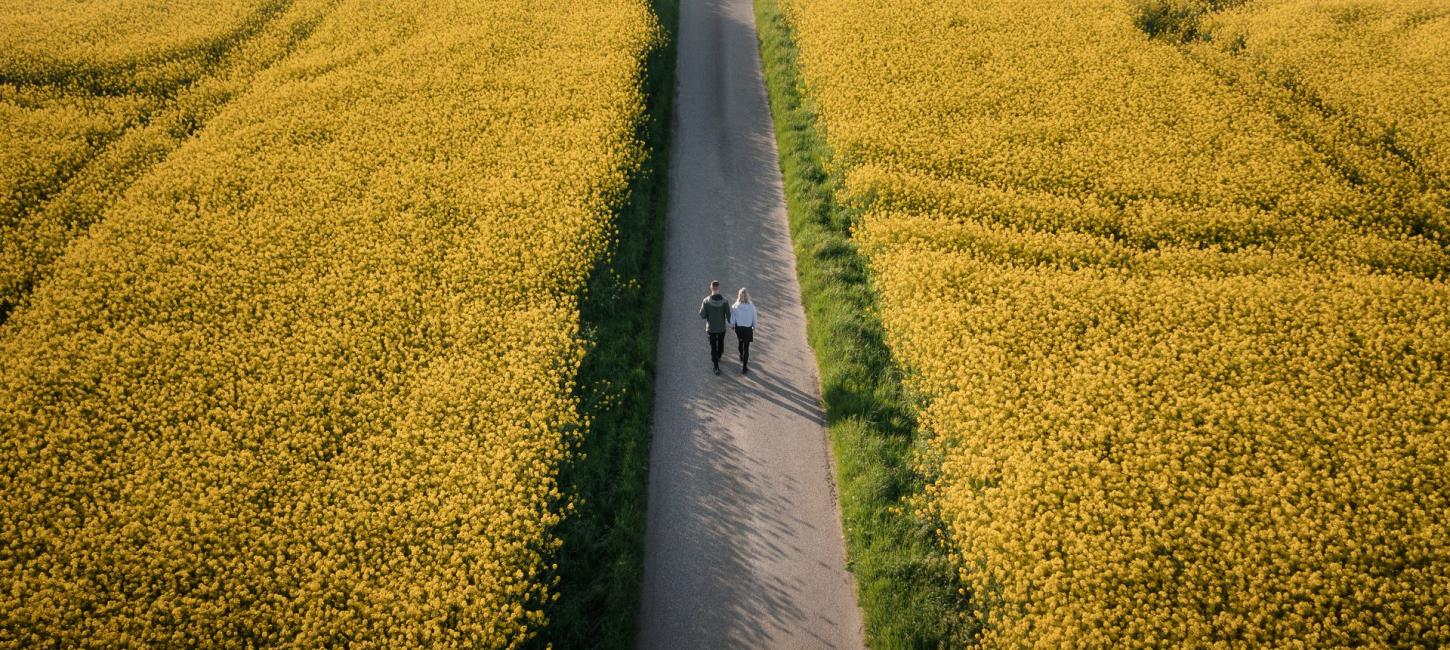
column 742, row 315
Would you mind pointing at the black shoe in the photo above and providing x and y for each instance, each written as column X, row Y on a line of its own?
column 744, row 370
column 717, row 370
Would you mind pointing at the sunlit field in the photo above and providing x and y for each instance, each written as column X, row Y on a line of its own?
column 291, row 321
column 1168, row 282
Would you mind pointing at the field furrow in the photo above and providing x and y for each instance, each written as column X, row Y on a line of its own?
column 58, row 193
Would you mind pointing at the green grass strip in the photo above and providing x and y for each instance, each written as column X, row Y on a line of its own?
column 601, row 563
column 906, row 584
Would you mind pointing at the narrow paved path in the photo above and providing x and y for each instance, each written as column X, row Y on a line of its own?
column 744, row 545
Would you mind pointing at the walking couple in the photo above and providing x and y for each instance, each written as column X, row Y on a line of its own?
column 720, row 315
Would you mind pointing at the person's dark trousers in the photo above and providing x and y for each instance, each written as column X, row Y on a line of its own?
column 717, row 347
column 743, row 335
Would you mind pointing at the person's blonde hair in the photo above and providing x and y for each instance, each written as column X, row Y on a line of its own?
column 742, row 296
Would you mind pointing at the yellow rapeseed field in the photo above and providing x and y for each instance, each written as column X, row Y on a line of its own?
column 119, row 44
column 1184, row 374
column 1385, row 64
column 1367, row 85
column 46, row 135
column 308, row 381
column 72, row 147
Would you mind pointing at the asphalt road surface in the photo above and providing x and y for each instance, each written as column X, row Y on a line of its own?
column 744, row 545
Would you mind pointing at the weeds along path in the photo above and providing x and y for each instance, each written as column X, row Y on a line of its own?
column 743, row 543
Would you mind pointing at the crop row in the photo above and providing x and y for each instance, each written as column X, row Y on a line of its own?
column 1384, row 65
column 73, row 152
column 114, row 47
column 309, row 379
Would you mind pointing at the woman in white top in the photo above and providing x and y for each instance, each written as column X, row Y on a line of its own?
column 742, row 318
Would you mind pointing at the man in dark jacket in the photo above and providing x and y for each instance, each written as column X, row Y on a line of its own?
column 716, row 312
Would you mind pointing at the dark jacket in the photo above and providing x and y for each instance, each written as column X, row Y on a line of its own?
column 716, row 312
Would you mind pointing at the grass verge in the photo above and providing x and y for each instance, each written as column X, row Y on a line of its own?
column 907, row 586
column 601, row 563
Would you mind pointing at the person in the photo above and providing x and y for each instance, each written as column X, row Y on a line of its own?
column 742, row 318
column 716, row 312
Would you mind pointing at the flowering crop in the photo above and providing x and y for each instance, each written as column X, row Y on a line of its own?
column 115, row 45
column 46, row 135
column 1181, row 459
column 308, row 380
column 1384, row 64
column 70, row 149
column 1364, row 84
column 1183, row 369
